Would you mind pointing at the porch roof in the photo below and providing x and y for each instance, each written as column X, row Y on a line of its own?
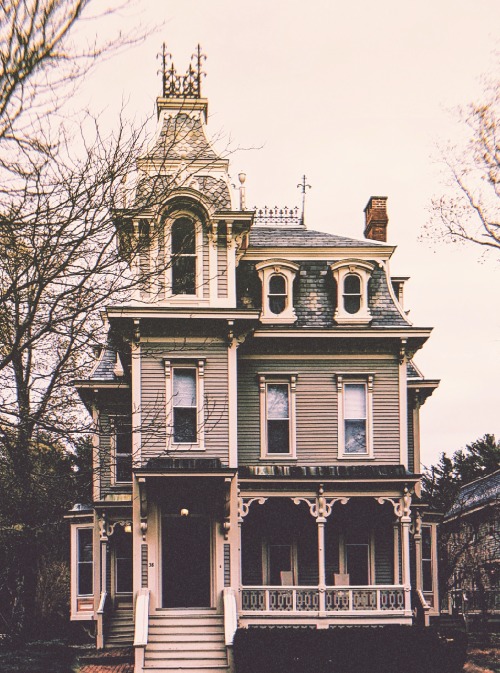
column 376, row 472
column 161, row 466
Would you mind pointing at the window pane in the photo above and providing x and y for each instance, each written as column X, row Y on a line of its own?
column 354, row 401
column 352, row 304
column 124, row 468
column 184, row 388
column 280, row 559
column 352, row 285
column 85, row 548
column 277, row 304
column 184, row 275
column 183, row 237
column 427, row 575
column 184, row 425
column 277, row 285
column 278, row 436
column 426, row 542
column 85, row 584
column 123, row 437
column 277, row 401
column 355, row 436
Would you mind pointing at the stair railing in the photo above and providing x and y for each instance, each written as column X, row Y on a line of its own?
column 101, row 619
column 425, row 607
column 230, row 615
column 141, row 628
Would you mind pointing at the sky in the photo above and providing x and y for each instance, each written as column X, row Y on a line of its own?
column 358, row 97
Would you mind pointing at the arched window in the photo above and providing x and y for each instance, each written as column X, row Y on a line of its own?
column 277, row 294
column 183, row 256
column 352, row 293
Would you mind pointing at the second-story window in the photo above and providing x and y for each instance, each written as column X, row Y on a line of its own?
column 277, row 406
column 277, row 294
column 355, row 418
column 352, row 293
column 183, row 256
column 184, row 406
column 122, row 444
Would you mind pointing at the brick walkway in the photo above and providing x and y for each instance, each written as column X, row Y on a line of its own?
column 119, row 660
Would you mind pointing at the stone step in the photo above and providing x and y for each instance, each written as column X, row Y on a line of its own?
column 183, row 637
column 183, row 654
column 183, row 646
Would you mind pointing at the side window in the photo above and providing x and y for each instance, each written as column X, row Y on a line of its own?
column 85, row 562
column 355, row 409
column 183, row 256
column 122, row 439
column 427, row 584
column 277, row 412
column 277, row 294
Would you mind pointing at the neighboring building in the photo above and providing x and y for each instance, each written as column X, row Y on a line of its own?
column 471, row 531
column 257, row 415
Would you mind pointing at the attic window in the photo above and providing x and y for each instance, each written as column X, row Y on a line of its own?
column 352, row 276
column 277, row 278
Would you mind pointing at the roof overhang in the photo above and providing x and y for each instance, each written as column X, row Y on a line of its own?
column 303, row 253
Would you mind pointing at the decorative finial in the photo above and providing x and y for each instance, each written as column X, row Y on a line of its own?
column 181, row 86
column 163, row 70
column 303, row 186
column 242, row 177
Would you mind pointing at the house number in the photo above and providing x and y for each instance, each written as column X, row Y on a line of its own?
column 151, row 565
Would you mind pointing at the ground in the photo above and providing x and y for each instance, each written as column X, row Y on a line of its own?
column 60, row 658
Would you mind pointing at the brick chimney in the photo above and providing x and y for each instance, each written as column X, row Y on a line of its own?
column 376, row 219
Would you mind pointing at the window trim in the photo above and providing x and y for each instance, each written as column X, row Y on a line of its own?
column 198, row 364
column 266, row 379
column 114, row 454
column 198, row 246
column 78, row 612
column 267, row 543
column 340, row 271
column 349, row 379
column 277, row 267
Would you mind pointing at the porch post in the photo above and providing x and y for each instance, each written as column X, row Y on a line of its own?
column 417, row 537
column 405, row 519
column 321, row 520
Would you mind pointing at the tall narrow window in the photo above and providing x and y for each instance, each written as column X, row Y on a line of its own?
column 352, row 293
column 278, row 418
column 427, row 559
column 123, row 449
column 277, row 294
column 123, row 561
column 184, row 405
column 355, row 418
column 85, row 562
column 183, row 260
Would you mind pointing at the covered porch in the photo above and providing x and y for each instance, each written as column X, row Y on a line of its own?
column 325, row 559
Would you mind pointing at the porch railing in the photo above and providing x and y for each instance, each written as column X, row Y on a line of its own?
column 342, row 600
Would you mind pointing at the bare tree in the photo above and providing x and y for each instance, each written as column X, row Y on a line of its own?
column 469, row 210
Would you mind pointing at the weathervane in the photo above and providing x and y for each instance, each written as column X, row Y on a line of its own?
column 303, row 187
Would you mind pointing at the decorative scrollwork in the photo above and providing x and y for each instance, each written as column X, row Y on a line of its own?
column 320, row 507
column 245, row 503
column 278, row 217
column 182, row 86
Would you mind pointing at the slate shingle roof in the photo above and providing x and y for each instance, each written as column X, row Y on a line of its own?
column 182, row 134
column 297, row 237
column 478, row 493
column 153, row 190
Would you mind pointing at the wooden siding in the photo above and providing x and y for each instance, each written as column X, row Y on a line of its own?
column 153, row 430
column 221, row 267
column 317, row 408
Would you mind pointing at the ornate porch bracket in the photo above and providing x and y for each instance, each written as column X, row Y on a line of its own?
column 245, row 503
column 122, row 522
column 416, row 527
column 103, row 527
column 320, row 508
column 401, row 506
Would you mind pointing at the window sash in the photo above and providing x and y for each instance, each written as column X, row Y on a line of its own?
column 278, row 418
column 84, row 562
column 123, row 449
column 184, row 405
column 355, row 419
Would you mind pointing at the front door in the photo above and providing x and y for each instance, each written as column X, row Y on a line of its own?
column 186, row 562
column 357, row 564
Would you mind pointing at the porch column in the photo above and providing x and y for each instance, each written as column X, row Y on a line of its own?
column 321, row 521
column 103, row 544
column 417, row 537
column 405, row 520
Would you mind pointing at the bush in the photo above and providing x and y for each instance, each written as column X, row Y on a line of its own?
column 389, row 649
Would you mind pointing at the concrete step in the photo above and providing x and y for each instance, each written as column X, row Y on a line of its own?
column 186, row 638
column 209, row 648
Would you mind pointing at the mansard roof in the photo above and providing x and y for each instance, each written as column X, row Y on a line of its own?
column 300, row 237
column 476, row 495
column 182, row 136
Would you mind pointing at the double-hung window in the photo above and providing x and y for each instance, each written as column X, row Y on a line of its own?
column 122, row 445
column 277, row 407
column 183, row 256
column 184, row 403
column 427, row 569
column 352, row 277
column 85, row 562
column 277, row 277
column 355, row 406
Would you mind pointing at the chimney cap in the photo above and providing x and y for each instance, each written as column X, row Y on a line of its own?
column 374, row 198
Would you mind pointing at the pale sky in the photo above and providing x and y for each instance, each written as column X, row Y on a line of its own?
column 356, row 96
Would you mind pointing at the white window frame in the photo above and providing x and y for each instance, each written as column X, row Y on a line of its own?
column 265, row 380
column 82, row 605
column 344, row 380
column 340, row 271
column 114, row 421
column 288, row 270
column 198, row 246
column 267, row 543
column 199, row 366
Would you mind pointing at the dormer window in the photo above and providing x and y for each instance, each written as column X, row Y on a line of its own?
column 183, row 256
column 352, row 278
column 277, row 278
